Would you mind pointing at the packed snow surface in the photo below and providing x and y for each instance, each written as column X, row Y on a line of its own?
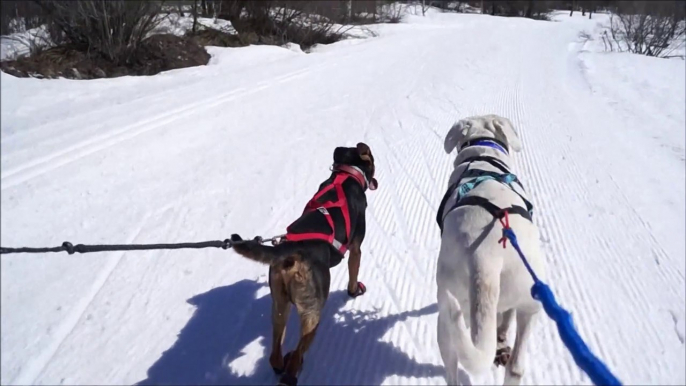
column 240, row 145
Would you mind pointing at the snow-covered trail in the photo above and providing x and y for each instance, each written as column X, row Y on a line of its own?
column 239, row 146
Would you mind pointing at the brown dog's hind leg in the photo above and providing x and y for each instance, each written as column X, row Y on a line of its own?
column 281, row 307
column 309, row 287
column 309, row 321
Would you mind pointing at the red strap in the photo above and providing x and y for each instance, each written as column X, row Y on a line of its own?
column 341, row 202
column 313, row 204
column 505, row 222
column 307, row 236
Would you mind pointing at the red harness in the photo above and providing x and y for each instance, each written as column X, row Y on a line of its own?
column 341, row 202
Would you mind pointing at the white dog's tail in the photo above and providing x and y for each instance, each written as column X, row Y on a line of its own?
column 476, row 356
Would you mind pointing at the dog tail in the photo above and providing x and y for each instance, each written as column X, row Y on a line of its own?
column 255, row 251
column 477, row 354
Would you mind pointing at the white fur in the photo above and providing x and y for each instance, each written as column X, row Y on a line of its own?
column 479, row 282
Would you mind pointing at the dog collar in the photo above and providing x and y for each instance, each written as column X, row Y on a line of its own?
column 354, row 172
column 488, row 142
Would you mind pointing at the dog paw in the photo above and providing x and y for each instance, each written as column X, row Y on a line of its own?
column 502, row 356
column 236, row 238
column 361, row 290
column 288, row 380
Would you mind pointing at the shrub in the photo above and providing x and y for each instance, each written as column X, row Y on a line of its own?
column 113, row 29
column 652, row 28
column 158, row 53
column 281, row 22
column 532, row 9
column 19, row 16
column 97, row 38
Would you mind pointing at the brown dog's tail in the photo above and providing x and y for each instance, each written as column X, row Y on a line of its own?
column 255, row 251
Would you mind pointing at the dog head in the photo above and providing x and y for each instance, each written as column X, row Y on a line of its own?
column 360, row 157
column 483, row 126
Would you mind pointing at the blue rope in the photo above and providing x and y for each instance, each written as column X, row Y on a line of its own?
column 584, row 358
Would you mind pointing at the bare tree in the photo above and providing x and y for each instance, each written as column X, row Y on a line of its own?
column 652, row 28
column 392, row 13
column 18, row 16
column 114, row 29
column 195, row 16
column 533, row 9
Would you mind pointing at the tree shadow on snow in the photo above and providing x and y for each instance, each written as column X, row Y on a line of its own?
column 346, row 350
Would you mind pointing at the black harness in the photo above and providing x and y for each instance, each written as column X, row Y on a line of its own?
column 505, row 177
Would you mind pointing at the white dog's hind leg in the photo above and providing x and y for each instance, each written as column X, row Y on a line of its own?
column 515, row 366
column 504, row 322
column 446, row 345
column 502, row 354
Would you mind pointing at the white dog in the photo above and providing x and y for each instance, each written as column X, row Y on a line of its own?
column 480, row 283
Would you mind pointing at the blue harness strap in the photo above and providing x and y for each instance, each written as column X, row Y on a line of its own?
column 476, row 177
column 487, row 142
column 481, row 176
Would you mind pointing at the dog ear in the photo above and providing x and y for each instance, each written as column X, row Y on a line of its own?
column 455, row 135
column 505, row 130
column 364, row 151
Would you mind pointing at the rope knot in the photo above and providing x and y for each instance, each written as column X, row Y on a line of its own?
column 227, row 244
column 69, row 247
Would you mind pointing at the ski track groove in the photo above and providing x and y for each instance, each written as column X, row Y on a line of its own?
column 393, row 204
column 160, row 96
column 394, row 266
column 45, row 164
column 635, row 269
column 33, row 369
column 565, row 282
column 410, row 184
column 607, row 252
column 551, row 347
column 526, row 161
column 650, row 239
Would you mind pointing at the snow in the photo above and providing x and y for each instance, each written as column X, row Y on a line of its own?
column 176, row 24
column 238, row 146
column 20, row 44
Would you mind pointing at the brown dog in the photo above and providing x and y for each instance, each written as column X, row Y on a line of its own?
column 333, row 221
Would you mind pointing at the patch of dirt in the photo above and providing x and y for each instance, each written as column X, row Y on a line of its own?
column 156, row 54
column 213, row 37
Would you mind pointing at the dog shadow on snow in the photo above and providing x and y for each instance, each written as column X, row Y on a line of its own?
column 230, row 326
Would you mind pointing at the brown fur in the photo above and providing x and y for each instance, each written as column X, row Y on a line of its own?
column 299, row 275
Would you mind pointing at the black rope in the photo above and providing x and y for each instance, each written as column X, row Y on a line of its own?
column 82, row 248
